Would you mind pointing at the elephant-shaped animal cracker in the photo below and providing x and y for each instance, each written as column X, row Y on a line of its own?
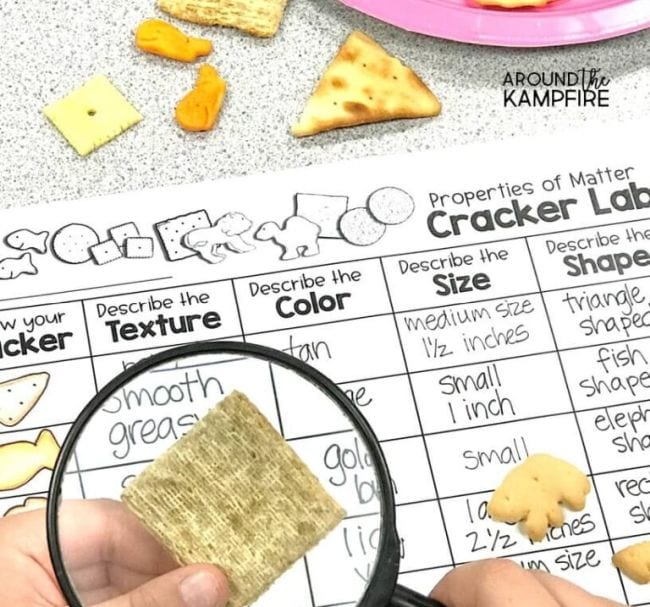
column 298, row 237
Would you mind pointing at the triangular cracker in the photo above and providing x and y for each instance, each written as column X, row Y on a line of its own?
column 365, row 84
column 18, row 397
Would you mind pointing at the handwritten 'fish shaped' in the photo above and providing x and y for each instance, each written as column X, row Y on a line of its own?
column 21, row 461
column 12, row 267
column 26, row 239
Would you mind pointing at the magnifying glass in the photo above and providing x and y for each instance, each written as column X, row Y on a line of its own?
column 146, row 408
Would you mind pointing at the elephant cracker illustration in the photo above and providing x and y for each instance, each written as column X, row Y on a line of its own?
column 298, row 237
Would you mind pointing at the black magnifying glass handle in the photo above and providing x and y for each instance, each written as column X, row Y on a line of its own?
column 405, row 597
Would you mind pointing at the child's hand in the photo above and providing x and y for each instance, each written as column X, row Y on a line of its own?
column 502, row 583
column 110, row 558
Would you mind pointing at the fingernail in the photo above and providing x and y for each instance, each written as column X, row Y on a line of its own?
column 203, row 589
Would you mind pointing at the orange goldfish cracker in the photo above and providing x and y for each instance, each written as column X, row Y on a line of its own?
column 160, row 38
column 198, row 110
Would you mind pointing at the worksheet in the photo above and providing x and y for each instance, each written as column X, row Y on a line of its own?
column 477, row 305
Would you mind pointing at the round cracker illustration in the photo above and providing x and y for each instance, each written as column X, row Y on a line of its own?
column 359, row 227
column 71, row 243
column 391, row 205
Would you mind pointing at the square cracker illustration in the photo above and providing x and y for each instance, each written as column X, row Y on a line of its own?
column 140, row 247
column 120, row 233
column 323, row 210
column 105, row 252
column 171, row 232
column 92, row 115
column 233, row 493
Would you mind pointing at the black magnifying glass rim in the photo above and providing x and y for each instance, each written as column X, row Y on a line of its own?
column 383, row 580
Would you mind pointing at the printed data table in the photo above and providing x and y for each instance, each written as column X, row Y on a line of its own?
column 467, row 352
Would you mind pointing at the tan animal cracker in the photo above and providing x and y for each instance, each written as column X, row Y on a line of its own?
column 365, row 84
column 534, row 493
column 258, row 17
column 233, row 493
column 634, row 562
column 19, row 396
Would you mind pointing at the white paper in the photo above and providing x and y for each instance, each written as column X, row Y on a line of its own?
column 466, row 352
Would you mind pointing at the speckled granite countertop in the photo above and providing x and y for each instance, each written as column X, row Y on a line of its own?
column 50, row 47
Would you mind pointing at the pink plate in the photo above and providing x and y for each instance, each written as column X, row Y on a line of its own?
column 560, row 22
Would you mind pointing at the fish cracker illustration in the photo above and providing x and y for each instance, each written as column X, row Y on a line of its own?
column 18, row 396
column 634, row 562
column 24, row 239
column 534, row 492
column 13, row 267
column 21, row 461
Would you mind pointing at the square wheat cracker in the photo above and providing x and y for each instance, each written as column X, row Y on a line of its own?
column 233, row 493
column 257, row 17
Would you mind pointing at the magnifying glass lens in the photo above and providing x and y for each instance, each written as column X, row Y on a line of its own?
column 106, row 551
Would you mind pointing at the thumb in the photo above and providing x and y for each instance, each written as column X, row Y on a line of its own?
column 194, row 586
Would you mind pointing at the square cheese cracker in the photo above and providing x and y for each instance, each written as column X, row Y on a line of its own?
column 233, row 493
column 92, row 115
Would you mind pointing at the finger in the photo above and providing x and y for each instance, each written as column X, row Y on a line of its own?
column 194, row 586
column 100, row 576
column 491, row 583
column 569, row 594
column 92, row 531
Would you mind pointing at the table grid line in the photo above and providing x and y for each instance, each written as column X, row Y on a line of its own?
column 239, row 318
column 326, row 323
column 92, row 366
column 408, row 436
column 275, row 398
column 621, row 223
column 575, row 415
column 417, row 412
